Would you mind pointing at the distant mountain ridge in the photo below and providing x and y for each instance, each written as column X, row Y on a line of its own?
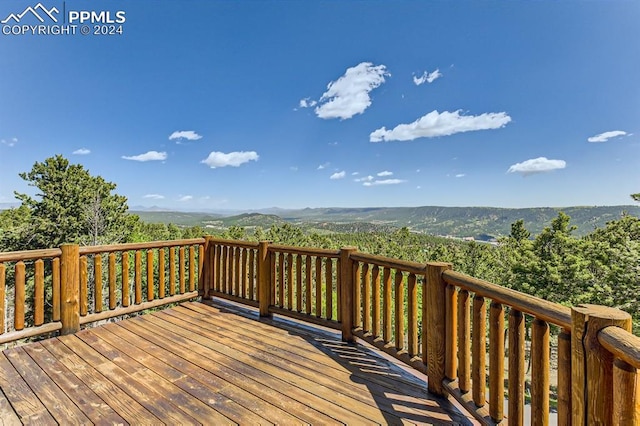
column 478, row 222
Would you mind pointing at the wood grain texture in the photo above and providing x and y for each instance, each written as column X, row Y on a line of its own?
column 540, row 373
column 496, row 361
column 435, row 324
column 516, row 367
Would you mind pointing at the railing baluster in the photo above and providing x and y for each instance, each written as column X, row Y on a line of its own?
column 479, row 351
column 112, row 282
column 181, row 270
column 137, row 273
column 412, row 296
column 97, row 279
column 290, row 281
column 224, row 269
column 451, row 331
column 308, row 291
column 386, row 306
column 516, row 367
column 125, row 279
column 252, row 269
column 38, row 317
column 366, row 298
column 192, row 268
column 339, row 289
column 564, row 378
column 237, row 255
column 83, row 286
column 357, row 296
column 299, row 283
column 496, row 361
column 329, row 286
column 172, row 271
column 243, row 279
column 18, row 310
column 55, row 288
column 399, row 311
column 150, row 280
column 281, row 275
column 318, row 287
column 201, row 256
column 216, row 267
column 540, row 371
column 375, row 282
column 464, row 341
column 161, row 274
column 3, row 275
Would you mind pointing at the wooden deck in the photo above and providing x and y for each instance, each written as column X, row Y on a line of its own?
column 210, row 364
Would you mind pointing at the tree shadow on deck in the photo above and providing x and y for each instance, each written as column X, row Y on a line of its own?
column 399, row 394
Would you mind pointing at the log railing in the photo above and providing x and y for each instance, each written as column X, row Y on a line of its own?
column 471, row 337
column 73, row 285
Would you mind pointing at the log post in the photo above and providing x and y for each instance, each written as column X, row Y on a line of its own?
column 70, row 288
column 592, row 365
column 434, row 326
column 264, row 278
column 346, row 293
column 207, row 268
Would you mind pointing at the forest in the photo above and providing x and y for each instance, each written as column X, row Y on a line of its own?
column 601, row 267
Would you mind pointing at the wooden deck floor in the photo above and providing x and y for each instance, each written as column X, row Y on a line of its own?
column 211, row 365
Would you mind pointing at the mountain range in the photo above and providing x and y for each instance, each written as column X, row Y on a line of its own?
column 482, row 223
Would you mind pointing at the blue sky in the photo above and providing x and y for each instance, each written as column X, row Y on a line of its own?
column 254, row 104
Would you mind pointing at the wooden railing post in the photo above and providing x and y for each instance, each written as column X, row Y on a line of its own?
column 346, row 293
column 435, row 324
column 264, row 278
column 591, row 364
column 70, row 288
column 207, row 267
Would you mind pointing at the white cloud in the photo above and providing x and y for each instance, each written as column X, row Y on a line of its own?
column 307, row 103
column 355, row 173
column 603, row 137
column 148, row 156
column 385, row 173
column 186, row 198
column 441, row 124
column 364, row 179
column 154, row 196
column 427, row 77
column 338, row 175
column 323, row 166
column 185, row 134
column 233, row 159
column 10, row 143
column 384, row 182
column 537, row 165
column 349, row 94
column 82, row 151
column 460, row 175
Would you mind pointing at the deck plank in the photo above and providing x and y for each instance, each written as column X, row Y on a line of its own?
column 24, row 401
column 120, row 401
column 205, row 381
column 350, row 395
column 203, row 363
column 340, row 404
column 359, row 382
column 140, row 390
column 173, row 384
column 234, row 370
column 96, row 410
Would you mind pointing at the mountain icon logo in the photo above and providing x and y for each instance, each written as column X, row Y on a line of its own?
column 38, row 11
